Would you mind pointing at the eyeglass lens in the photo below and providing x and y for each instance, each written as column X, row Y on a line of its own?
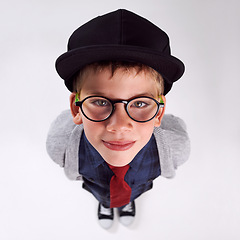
column 99, row 108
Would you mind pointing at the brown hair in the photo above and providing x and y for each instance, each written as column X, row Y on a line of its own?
column 115, row 65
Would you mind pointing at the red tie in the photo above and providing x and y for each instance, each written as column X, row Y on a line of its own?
column 120, row 191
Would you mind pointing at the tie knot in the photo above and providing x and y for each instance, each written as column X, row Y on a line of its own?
column 119, row 171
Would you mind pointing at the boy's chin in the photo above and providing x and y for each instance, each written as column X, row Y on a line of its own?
column 118, row 164
column 119, row 161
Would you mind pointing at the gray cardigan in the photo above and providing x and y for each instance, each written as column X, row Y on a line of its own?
column 64, row 137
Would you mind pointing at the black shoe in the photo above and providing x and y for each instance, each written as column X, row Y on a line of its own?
column 105, row 216
column 127, row 213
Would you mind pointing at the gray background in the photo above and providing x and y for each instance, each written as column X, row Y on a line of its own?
column 202, row 202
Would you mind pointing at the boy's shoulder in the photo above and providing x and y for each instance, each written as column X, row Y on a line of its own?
column 59, row 135
column 62, row 126
column 173, row 144
column 173, row 123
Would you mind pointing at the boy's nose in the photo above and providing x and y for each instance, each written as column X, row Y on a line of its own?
column 119, row 121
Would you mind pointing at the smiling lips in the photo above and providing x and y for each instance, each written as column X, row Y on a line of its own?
column 119, row 145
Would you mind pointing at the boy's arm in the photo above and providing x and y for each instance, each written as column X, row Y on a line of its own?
column 173, row 143
column 178, row 139
column 58, row 137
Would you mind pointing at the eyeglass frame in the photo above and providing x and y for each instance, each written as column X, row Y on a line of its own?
column 113, row 102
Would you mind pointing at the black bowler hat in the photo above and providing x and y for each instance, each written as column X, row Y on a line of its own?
column 119, row 36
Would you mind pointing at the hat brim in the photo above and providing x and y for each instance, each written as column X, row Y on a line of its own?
column 69, row 63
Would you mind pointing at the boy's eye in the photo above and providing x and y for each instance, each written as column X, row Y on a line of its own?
column 100, row 102
column 139, row 104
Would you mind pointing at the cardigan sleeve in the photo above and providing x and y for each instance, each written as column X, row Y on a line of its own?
column 58, row 137
column 173, row 144
column 178, row 139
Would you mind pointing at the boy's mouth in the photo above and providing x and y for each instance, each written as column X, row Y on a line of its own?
column 119, row 145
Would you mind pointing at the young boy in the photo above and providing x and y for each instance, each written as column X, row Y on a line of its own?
column 115, row 136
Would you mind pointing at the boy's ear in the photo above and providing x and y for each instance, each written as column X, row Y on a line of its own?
column 160, row 114
column 77, row 117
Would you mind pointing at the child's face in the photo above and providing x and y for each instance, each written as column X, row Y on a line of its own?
column 119, row 138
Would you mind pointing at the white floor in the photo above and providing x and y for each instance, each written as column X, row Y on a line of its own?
column 202, row 202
